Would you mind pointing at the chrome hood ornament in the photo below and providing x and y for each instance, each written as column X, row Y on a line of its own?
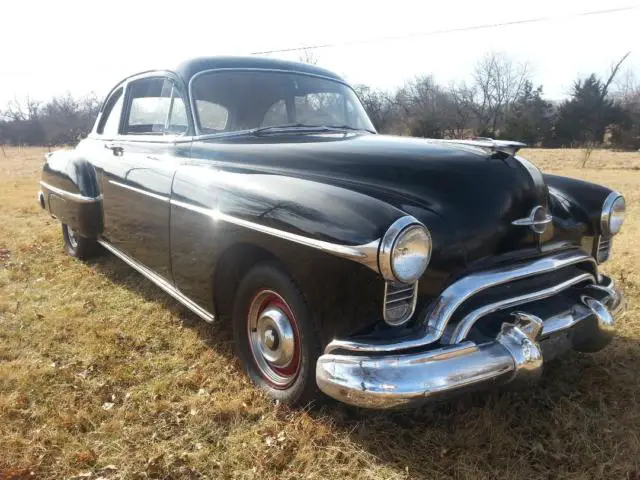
column 537, row 220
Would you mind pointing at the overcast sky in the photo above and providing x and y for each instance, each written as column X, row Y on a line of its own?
column 53, row 47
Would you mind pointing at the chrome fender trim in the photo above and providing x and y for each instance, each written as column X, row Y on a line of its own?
column 366, row 254
column 75, row 197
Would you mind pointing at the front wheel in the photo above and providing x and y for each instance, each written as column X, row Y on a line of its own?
column 275, row 335
column 78, row 246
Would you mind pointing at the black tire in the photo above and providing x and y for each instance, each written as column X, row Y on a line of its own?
column 78, row 246
column 298, row 388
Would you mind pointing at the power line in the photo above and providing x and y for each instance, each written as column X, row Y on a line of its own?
column 443, row 31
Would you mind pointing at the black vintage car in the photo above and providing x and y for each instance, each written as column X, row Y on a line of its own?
column 383, row 270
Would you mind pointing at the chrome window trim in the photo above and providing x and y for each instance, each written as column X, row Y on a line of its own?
column 76, row 197
column 160, row 282
column 389, row 240
column 606, row 212
column 192, row 103
column 441, row 309
column 366, row 254
column 164, row 75
column 463, row 327
column 124, row 83
column 414, row 301
column 139, row 190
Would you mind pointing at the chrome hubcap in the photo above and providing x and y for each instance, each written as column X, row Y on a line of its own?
column 273, row 338
column 73, row 240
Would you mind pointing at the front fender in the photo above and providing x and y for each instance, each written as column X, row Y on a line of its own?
column 214, row 210
column 583, row 200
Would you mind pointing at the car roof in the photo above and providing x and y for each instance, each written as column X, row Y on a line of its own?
column 189, row 68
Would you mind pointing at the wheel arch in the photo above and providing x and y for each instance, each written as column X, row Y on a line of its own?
column 234, row 263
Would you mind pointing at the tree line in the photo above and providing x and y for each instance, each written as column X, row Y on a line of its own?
column 499, row 100
column 63, row 120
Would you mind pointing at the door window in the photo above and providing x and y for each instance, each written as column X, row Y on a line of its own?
column 155, row 108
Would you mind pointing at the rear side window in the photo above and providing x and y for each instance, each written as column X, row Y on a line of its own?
column 110, row 119
column 155, row 108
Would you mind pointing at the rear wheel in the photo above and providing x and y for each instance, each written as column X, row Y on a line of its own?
column 275, row 336
column 78, row 246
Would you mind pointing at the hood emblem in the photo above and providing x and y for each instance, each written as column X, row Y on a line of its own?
column 537, row 220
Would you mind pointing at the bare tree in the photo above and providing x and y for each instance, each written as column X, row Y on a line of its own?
column 462, row 111
column 587, row 150
column 497, row 83
column 24, row 110
column 426, row 107
column 612, row 75
column 308, row 56
column 378, row 105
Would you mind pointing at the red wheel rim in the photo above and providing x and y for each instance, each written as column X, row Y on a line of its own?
column 274, row 339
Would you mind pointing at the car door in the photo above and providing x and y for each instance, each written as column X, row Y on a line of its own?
column 137, row 169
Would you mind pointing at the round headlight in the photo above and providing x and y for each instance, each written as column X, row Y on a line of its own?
column 405, row 250
column 613, row 212
column 410, row 253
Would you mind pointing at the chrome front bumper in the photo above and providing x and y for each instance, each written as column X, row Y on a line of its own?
column 395, row 380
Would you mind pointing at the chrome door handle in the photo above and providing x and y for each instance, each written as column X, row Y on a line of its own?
column 117, row 150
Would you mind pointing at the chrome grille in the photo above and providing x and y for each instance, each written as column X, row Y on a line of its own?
column 604, row 249
column 399, row 302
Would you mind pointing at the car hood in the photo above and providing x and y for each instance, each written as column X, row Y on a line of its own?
column 465, row 195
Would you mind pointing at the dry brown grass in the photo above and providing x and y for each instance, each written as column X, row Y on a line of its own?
column 102, row 375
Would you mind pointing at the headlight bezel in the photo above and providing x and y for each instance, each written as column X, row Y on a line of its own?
column 608, row 210
column 394, row 233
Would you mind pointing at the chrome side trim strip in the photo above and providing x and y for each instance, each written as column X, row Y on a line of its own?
column 75, row 197
column 464, row 326
column 366, row 254
column 160, row 282
column 441, row 310
column 139, row 190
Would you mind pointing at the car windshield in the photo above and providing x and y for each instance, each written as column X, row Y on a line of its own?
column 233, row 101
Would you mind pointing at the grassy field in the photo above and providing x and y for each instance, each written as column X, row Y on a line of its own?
column 104, row 376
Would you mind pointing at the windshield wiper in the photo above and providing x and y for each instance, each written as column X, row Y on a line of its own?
column 291, row 126
column 349, row 127
column 301, row 127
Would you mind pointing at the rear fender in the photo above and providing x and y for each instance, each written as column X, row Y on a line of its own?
column 70, row 192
